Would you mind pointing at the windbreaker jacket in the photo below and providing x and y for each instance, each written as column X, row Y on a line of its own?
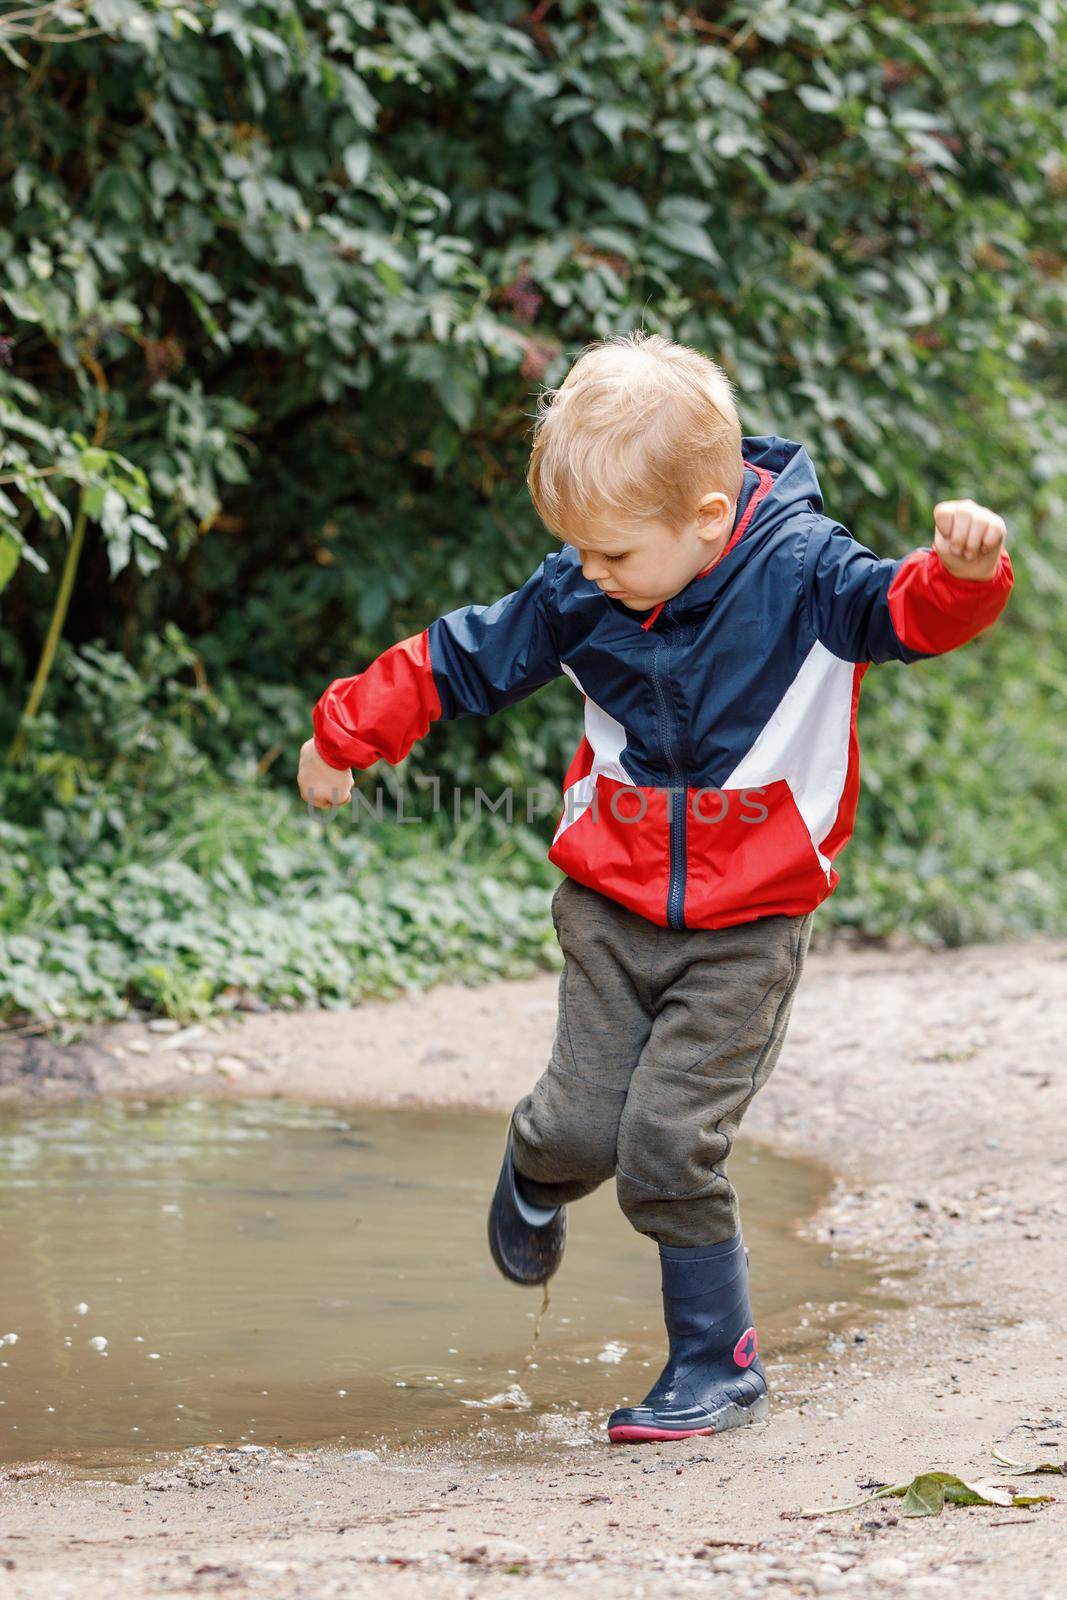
column 718, row 774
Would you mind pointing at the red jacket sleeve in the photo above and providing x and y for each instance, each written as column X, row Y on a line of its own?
column 472, row 662
column 934, row 611
column 380, row 713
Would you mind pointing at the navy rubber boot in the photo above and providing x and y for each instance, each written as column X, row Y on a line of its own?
column 526, row 1240
column 713, row 1378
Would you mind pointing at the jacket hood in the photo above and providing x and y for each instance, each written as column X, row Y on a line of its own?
column 796, row 485
column 779, row 483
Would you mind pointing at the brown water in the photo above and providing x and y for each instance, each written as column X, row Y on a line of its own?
column 190, row 1273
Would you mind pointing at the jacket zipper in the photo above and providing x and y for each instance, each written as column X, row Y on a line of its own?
column 676, row 810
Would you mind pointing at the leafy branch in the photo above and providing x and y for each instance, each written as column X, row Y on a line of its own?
column 51, row 22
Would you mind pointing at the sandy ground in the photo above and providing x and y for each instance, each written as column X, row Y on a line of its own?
column 930, row 1082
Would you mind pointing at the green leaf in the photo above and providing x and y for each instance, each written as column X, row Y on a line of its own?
column 389, row 276
column 1056, row 1468
column 622, row 203
column 614, row 121
column 93, row 500
column 688, row 238
column 27, row 307
column 927, row 1494
column 373, row 604
column 9, row 558
column 356, row 162
column 817, row 99
column 459, row 390
column 924, row 1496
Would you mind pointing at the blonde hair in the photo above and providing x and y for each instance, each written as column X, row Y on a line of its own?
column 640, row 427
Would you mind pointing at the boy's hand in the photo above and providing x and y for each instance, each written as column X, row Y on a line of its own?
column 321, row 785
column 968, row 538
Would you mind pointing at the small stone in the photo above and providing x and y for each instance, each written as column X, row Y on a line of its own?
column 163, row 1025
column 362, row 1455
column 731, row 1561
column 886, row 1567
column 492, row 1550
column 183, row 1037
column 231, row 1066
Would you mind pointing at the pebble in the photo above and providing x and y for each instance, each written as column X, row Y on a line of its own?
column 731, row 1561
column 362, row 1455
column 232, row 1066
column 160, row 1482
column 182, row 1037
column 886, row 1567
column 492, row 1550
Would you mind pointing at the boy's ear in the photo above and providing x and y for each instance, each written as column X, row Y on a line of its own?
column 714, row 512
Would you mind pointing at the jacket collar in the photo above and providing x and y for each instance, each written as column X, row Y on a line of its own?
column 756, row 485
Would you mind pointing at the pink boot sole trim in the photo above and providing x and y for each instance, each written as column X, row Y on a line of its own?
column 626, row 1434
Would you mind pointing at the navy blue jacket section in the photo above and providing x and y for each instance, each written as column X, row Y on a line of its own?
column 694, row 689
column 487, row 657
column 846, row 586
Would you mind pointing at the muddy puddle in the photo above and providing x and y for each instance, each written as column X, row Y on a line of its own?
column 192, row 1273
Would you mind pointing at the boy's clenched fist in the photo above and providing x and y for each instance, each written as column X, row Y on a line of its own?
column 321, row 785
column 968, row 538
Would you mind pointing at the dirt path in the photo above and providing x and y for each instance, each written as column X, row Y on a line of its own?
column 930, row 1082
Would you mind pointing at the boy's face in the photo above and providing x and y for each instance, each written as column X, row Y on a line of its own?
column 643, row 563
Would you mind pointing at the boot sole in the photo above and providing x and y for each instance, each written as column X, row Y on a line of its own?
column 729, row 1417
column 526, row 1242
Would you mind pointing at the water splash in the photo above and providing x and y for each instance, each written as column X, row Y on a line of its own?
column 528, row 1359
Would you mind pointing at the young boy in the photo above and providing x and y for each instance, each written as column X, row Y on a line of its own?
column 718, row 625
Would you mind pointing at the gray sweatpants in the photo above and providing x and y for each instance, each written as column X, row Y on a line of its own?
column 663, row 1038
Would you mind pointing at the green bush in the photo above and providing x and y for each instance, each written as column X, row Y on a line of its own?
column 281, row 279
column 282, row 916
column 138, row 876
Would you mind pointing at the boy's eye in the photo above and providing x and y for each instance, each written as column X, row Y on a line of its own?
column 621, row 557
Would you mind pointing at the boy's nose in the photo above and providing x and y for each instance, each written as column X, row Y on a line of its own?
column 593, row 567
